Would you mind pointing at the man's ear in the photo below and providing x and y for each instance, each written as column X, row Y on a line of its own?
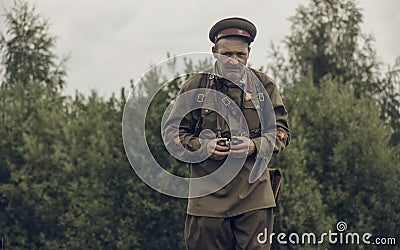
column 249, row 49
column 214, row 51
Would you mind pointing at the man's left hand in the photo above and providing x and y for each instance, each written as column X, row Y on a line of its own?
column 245, row 148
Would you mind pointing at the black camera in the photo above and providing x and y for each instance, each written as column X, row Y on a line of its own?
column 236, row 141
column 224, row 143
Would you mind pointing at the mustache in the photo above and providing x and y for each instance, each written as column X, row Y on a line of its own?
column 230, row 66
column 233, row 68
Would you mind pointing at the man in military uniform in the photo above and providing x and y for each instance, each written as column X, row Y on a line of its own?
column 234, row 216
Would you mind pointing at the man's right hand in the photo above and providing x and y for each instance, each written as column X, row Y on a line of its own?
column 217, row 152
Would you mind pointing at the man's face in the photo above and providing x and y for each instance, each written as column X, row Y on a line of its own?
column 235, row 52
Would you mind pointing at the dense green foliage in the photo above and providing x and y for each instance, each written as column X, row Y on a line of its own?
column 65, row 182
column 344, row 113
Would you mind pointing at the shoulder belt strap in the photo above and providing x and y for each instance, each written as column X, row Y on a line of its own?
column 205, row 83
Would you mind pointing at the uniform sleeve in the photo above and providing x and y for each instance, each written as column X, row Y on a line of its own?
column 282, row 139
column 185, row 125
column 281, row 116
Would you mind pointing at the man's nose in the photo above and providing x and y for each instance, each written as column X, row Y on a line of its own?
column 233, row 60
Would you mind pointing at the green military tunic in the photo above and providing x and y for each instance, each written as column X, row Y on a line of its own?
column 238, row 196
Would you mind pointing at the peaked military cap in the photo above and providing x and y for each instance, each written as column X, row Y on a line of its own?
column 233, row 26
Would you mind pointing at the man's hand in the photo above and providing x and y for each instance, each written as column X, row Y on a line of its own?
column 217, row 152
column 243, row 149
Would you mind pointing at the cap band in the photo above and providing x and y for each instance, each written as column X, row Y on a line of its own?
column 232, row 31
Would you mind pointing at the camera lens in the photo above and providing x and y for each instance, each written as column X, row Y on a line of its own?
column 224, row 143
column 236, row 141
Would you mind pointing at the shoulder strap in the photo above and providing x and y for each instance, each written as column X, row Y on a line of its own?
column 204, row 84
column 205, row 81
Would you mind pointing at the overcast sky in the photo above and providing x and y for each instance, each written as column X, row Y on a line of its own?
column 111, row 42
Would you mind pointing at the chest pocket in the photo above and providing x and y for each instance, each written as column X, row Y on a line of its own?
column 252, row 118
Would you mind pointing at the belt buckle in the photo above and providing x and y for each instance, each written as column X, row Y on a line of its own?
column 261, row 97
column 226, row 101
column 200, row 98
